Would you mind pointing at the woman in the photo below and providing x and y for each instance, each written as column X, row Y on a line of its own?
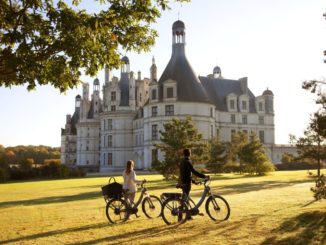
column 129, row 180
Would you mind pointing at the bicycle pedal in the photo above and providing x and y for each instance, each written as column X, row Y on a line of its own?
column 137, row 216
column 200, row 214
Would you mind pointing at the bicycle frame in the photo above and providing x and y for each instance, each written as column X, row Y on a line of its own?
column 131, row 204
column 202, row 199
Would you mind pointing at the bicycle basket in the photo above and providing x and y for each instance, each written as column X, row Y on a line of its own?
column 112, row 190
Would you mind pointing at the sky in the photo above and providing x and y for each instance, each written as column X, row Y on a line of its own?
column 277, row 44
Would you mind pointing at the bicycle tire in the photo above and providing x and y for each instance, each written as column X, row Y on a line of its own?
column 174, row 211
column 217, row 208
column 152, row 206
column 117, row 211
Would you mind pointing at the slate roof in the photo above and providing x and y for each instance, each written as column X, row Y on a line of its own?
column 189, row 88
column 124, row 88
column 218, row 89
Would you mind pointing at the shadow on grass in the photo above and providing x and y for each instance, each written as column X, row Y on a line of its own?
column 53, row 199
column 156, row 185
column 306, row 228
column 248, row 187
column 55, row 233
column 148, row 232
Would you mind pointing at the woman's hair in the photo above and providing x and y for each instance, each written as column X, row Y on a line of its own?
column 130, row 165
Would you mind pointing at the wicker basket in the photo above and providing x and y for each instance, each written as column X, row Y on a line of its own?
column 112, row 190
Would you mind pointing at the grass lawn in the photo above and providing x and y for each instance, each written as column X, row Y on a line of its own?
column 274, row 209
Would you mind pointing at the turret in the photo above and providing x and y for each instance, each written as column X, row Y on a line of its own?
column 96, row 97
column 77, row 101
column 269, row 101
column 124, row 81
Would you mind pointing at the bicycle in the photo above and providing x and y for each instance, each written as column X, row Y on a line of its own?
column 178, row 207
column 119, row 209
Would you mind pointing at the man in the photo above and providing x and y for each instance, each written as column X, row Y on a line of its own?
column 186, row 170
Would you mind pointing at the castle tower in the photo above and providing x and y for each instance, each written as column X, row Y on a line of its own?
column 187, row 85
column 96, row 98
column 124, row 81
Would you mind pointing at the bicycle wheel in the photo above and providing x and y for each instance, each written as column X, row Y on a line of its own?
column 174, row 211
column 152, row 207
column 217, row 208
column 117, row 211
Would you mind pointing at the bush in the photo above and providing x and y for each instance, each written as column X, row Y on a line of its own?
column 264, row 168
column 231, row 167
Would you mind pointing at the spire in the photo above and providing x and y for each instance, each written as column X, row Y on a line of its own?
column 153, row 70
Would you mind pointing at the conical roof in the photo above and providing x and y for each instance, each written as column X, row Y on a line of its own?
column 189, row 87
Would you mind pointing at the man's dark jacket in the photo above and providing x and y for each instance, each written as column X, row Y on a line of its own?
column 186, row 169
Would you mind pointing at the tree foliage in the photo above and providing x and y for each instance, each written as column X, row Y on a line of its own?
column 253, row 157
column 313, row 144
column 46, row 43
column 177, row 135
column 217, row 155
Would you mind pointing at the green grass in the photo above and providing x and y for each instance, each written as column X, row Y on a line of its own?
column 274, row 209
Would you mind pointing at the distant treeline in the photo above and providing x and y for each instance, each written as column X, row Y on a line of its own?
column 28, row 162
column 18, row 154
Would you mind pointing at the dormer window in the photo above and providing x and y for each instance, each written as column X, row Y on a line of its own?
column 154, row 94
column 113, row 96
column 232, row 104
column 244, row 105
column 169, row 92
column 260, row 106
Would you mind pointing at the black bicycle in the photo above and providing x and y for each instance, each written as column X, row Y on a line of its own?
column 119, row 209
column 178, row 207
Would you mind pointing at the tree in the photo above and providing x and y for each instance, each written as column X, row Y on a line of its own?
column 287, row 157
column 238, row 140
column 313, row 144
column 44, row 43
column 177, row 135
column 252, row 155
column 217, row 155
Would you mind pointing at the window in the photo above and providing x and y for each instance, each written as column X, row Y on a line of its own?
column 232, row 118
column 154, row 132
column 113, row 96
column 110, row 124
column 169, row 93
column 217, row 132
column 154, row 155
column 232, row 104
column 140, row 97
column 109, row 140
column 261, row 120
column 244, row 105
column 211, row 111
column 87, row 148
column 110, row 159
column 169, row 110
column 244, row 119
column 260, row 106
column 112, row 107
column 154, row 94
column 212, row 132
column 232, row 133
column 154, row 111
column 262, row 136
